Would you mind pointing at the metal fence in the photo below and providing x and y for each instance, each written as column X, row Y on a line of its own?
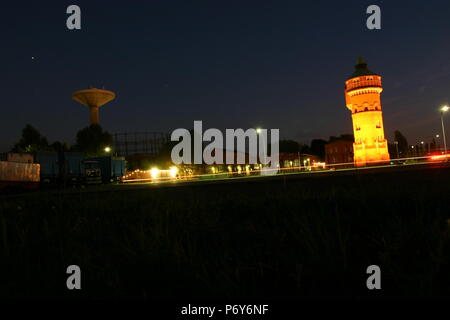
column 130, row 143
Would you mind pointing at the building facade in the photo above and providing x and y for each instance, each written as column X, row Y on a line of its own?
column 362, row 97
column 339, row 152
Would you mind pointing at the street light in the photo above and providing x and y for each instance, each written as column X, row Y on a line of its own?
column 258, row 131
column 396, row 147
column 444, row 109
column 436, row 145
column 107, row 149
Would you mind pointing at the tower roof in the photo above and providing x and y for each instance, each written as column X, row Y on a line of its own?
column 361, row 69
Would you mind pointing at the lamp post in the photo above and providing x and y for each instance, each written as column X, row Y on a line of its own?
column 396, row 147
column 444, row 109
column 258, row 131
column 437, row 144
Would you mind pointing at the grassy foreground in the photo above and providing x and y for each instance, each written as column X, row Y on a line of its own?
column 311, row 237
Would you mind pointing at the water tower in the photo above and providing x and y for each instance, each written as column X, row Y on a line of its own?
column 362, row 95
column 94, row 98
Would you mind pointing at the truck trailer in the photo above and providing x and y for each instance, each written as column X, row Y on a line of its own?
column 18, row 174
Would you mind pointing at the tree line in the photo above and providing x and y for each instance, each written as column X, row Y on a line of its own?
column 91, row 140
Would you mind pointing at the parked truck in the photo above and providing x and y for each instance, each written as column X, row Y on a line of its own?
column 112, row 168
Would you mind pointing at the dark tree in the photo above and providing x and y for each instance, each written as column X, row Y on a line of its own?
column 93, row 140
column 304, row 148
column 318, row 147
column 289, row 146
column 433, row 145
column 402, row 143
column 392, row 150
column 31, row 141
column 164, row 157
column 59, row 146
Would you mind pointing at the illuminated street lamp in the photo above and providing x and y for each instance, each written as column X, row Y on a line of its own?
column 444, row 109
column 412, row 151
column 258, row 131
column 107, row 149
column 437, row 144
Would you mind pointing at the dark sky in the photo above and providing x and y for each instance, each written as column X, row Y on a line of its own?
column 232, row 64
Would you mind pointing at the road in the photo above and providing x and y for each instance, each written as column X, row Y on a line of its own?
column 425, row 165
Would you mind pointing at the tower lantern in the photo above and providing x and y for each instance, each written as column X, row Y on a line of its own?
column 362, row 97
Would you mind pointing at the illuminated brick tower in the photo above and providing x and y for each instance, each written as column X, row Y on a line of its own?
column 362, row 97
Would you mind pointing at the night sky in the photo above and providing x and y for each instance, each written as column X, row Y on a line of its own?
column 232, row 64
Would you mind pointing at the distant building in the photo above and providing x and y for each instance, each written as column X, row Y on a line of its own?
column 339, row 152
column 296, row 160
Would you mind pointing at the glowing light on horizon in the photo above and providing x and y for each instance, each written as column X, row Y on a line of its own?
column 173, row 172
column 154, row 173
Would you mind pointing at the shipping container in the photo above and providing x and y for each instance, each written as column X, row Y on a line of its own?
column 19, row 174
column 49, row 162
column 72, row 166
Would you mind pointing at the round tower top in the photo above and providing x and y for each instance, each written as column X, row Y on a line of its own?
column 361, row 69
column 93, row 97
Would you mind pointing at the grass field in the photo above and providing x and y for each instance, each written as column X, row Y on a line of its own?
column 274, row 238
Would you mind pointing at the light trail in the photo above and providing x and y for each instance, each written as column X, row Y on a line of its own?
column 254, row 173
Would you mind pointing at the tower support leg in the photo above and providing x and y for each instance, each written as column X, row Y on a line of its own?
column 94, row 115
